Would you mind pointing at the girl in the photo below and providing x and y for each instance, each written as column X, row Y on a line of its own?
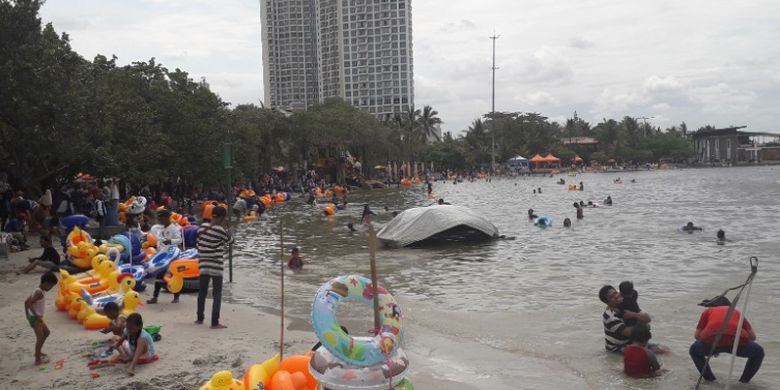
column 136, row 345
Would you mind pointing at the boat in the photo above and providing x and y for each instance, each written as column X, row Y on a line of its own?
column 438, row 224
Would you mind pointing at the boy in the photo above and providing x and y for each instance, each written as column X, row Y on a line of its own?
column 295, row 263
column 118, row 320
column 49, row 259
column 33, row 309
column 170, row 236
column 638, row 360
column 630, row 297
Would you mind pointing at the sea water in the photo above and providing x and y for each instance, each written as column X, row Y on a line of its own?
column 524, row 314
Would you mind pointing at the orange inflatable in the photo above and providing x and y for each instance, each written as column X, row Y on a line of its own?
column 178, row 271
column 329, row 210
column 280, row 197
column 298, row 364
column 266, row 200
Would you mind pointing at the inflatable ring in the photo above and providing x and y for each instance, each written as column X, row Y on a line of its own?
column 357, row 351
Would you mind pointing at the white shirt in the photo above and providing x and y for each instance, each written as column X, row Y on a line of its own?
column 171, row 232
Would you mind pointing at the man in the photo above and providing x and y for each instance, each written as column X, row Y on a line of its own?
column 616, row 333
column 169, row 236
column 707, row 330
column 213, row 239
column 240, row 207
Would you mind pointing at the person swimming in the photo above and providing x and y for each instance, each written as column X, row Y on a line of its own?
column 531, row 214
column 561, row 181
column 539, row 190
column 721, row 236
column 351, row 227
column 580, row 214
column 690, row 228
column 582, row 187
column 608, row 201
column 582, row 204
column 567, row 222
column 441, row 202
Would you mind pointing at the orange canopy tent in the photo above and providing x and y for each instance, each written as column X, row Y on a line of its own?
column 549, row 158
column 537, row 160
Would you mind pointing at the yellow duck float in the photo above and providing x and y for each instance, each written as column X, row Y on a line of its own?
column 95, row 320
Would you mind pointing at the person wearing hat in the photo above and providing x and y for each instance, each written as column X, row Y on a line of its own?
column 712, row 322
column 169, row 236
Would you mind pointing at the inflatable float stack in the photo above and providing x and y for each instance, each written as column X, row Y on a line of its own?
column 343, row 362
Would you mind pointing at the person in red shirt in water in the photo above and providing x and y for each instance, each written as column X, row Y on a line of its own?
column 638, row 360
column 295, row 263
column 706, row 331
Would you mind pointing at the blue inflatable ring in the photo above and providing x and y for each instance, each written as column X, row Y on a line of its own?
column 357, row 351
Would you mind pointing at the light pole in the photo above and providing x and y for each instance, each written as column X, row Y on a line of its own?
column 645, row 118
column 493, row 109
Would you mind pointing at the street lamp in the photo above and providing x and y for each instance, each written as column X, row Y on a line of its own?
column 645, row 118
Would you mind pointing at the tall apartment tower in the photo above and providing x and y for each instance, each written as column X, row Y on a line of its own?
column 362, row 52
column 289, row 54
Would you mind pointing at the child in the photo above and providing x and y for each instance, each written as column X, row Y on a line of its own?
column 118, row 320
column 638, row 360
column 630, row 297
column 136, row 345
column 49, row 259
column 33, row 308
column 295, row 263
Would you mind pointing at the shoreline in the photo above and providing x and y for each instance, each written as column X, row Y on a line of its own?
column 189, row 354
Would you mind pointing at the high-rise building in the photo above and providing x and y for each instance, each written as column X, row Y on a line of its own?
column 289, row 54
column 362, row 53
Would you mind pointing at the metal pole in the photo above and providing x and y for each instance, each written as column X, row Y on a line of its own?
column 738, row 334
column 493, row 109
column 228, row 162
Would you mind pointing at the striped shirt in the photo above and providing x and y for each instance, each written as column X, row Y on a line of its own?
column 613, row 331
column 212, row 242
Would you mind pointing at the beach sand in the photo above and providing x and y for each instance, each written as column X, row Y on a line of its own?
column 189, row 353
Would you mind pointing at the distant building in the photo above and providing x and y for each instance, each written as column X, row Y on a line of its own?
column 356, row 50
column 730, row 145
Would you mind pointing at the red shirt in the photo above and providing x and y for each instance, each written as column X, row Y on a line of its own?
column 295, row 262
column 639, row 362
column 711, row 320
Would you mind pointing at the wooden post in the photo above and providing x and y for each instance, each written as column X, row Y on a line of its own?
column 281, row 277
column 374, row 282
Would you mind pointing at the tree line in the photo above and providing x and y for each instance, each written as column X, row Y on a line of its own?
column 61, row 114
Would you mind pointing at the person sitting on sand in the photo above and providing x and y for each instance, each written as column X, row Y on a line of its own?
column 638, row 360
column 33, row 309
column 296, row 262
column 690, row 228
column 608, row 201
column 136, row 345
column 49, row 259
column 118, row 320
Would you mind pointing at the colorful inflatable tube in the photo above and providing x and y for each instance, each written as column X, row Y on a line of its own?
column 356, row 351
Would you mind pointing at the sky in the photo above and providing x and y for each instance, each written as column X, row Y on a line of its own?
column 699, row 61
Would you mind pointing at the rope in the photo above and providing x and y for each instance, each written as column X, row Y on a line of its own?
column 724, row 324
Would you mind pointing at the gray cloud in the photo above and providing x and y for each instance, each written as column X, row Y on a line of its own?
column 699, row 61
column 581, row 43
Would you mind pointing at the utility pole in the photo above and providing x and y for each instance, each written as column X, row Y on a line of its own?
column 493, row 109
column 644, row 118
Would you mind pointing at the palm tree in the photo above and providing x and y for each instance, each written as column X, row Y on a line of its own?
column 428, row 121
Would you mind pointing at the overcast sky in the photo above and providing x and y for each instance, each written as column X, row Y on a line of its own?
column 699, row 61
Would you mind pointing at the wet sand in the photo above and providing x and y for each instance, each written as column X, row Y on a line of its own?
column 189, row 353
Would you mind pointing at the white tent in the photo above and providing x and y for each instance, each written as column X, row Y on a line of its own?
column 420, row 223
